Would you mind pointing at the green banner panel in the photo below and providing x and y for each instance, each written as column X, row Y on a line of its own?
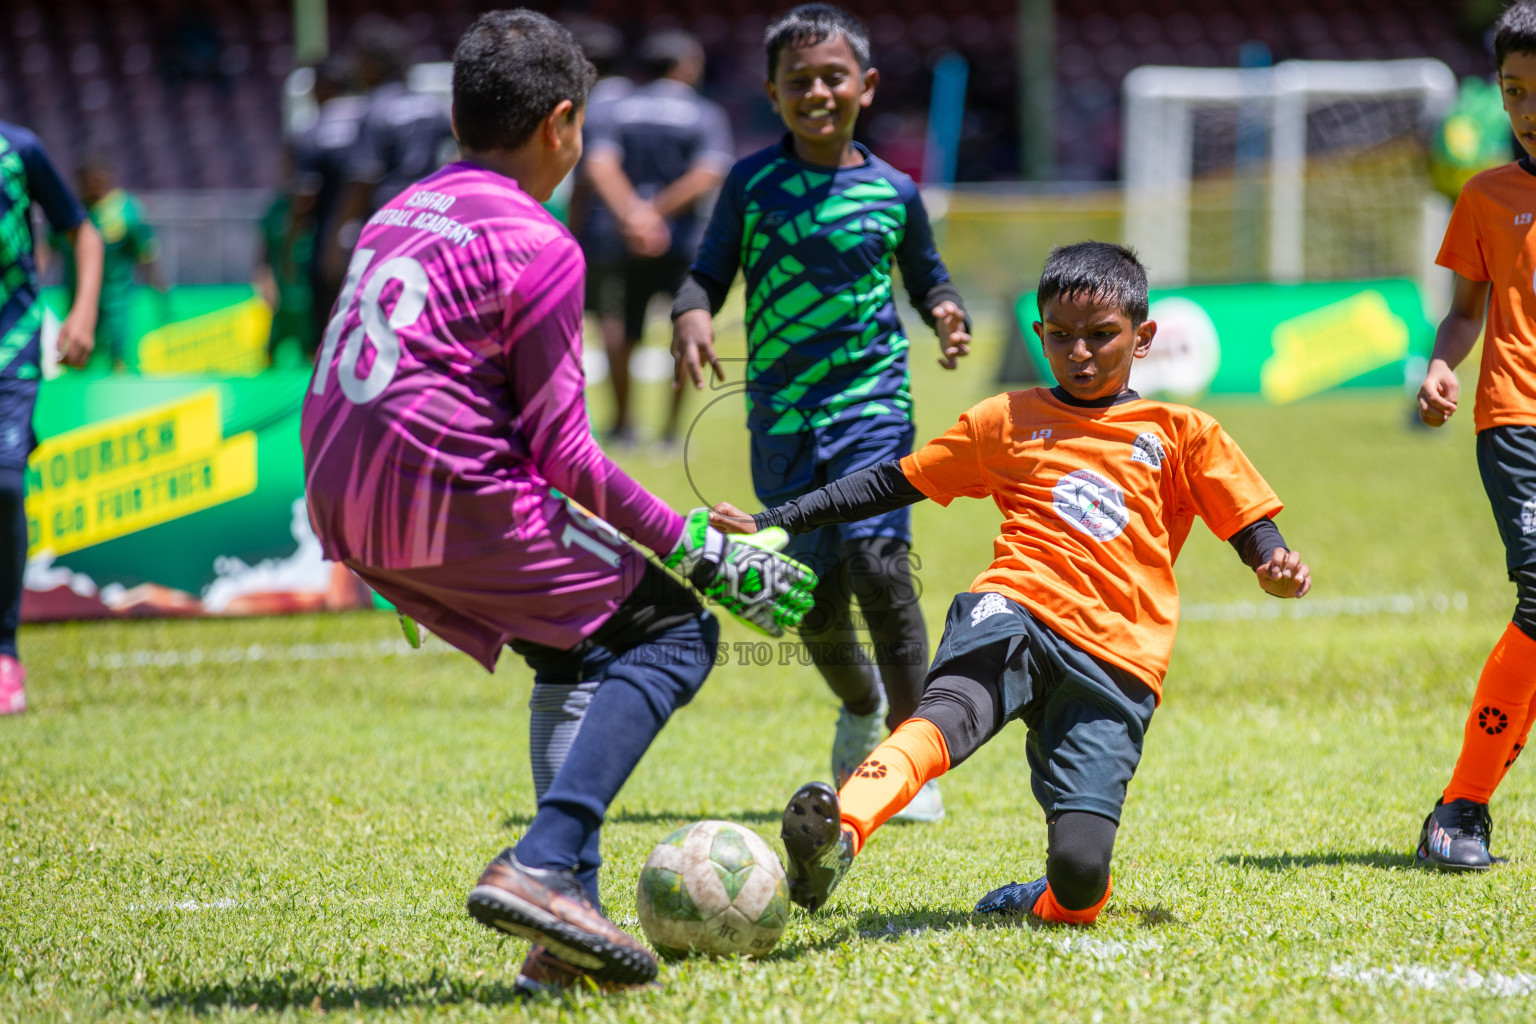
column 1281, row 342
column 180, row 496
column 192, row 329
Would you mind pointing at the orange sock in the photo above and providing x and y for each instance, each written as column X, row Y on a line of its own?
column 1519, row 745
column 1499, row 718
column 1047, row 909
column 891, row 776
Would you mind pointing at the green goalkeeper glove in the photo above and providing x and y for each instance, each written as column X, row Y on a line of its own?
column 412, row 631
column 744, row 573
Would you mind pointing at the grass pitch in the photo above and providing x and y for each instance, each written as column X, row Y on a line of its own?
column 280, row 819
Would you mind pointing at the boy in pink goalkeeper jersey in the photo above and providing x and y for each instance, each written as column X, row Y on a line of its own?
column 446, row 411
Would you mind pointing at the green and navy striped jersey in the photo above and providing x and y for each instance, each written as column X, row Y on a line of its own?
column 27, row 176
column 815, row 244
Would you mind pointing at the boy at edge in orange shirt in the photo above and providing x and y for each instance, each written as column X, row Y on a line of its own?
column 1491, row 248
column 1071, row 627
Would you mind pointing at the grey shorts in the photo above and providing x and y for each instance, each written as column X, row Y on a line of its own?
column 1087, row 719
column 1506, row 460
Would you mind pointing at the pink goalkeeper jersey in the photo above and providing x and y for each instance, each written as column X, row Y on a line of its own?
column 447, row 403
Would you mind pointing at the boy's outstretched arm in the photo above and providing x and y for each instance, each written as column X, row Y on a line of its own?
column 1454, row 340
column 1280, row 571
column 869, row 492
column 929, row 286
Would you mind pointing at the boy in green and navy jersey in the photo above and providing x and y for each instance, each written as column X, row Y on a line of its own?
column 27, row 176
column 814, row 223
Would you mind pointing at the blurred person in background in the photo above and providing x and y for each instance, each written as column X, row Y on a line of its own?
column 320, row 155
column 403, row 135
column 603, row 45
column 131, row 251
column 28, row 176
column 284, row 265
column 653, row 155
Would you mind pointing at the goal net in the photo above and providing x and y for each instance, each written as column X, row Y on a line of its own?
column 1308, row 170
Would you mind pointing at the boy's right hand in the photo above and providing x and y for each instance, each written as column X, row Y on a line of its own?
column 693, row 345
column 77, row 339
column 1438, row 393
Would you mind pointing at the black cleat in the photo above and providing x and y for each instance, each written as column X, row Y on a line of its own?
column 1014, row 899
column 551, row 909
column 1455, row 837
column 819, row 851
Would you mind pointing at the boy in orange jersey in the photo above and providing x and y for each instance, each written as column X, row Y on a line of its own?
column 1071, row 627
column 1491, row 246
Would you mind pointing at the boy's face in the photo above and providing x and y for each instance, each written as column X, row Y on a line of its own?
column 819, row 90
column 1517, row 81
column 1090, row 345
column 94, row 184
column 569, row 134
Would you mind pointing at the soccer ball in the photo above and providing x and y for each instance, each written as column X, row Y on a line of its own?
column 714, row 888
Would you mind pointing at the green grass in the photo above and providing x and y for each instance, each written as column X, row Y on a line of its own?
column 254, row 838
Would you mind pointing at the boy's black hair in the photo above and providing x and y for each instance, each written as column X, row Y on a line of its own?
column 509, row 71
column 1097, row 271
column 1514, row 32
column 810, row 24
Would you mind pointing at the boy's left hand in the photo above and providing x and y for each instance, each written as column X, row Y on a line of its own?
column 954, row 339
column 1284, row 574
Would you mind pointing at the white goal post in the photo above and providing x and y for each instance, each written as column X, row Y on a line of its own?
column 1305, row 169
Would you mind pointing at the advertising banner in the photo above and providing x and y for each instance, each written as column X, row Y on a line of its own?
column 174, row 496
column 210, row 329
column 1281, row 342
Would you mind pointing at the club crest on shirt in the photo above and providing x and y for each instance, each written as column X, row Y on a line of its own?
column 1091, row 504
column 1147, row 448
column 1528, row 518
column 988, row 606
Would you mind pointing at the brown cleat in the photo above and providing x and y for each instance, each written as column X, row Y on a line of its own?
column 550, row 908
column 544, row 974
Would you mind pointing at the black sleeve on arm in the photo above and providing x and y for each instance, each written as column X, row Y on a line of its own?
column 944, row 291
column 1255, row 542
column 698, row 292
column 869, row 492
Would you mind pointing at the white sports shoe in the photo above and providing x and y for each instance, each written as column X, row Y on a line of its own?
column 855, row 739
column 927, row 805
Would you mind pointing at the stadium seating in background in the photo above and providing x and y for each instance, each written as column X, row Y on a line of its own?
column 186, row 92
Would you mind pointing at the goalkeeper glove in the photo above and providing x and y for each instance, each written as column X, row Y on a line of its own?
column 413, row 633
column 744, row 574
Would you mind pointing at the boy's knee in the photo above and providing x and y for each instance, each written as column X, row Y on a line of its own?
column 880, row 572
column 1077, row 863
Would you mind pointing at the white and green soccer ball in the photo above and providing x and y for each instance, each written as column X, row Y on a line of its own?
column 715, row 888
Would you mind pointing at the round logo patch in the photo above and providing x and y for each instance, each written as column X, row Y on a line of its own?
column 1091, row 503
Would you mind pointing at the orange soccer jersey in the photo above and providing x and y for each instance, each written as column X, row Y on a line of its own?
column 1490, row 238
column 1096, row 503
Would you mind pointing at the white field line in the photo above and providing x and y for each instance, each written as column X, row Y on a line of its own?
column 225, row 904
column 1459, row 978
column 1326, row 607
column 256, row 653
column 1106, row 949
